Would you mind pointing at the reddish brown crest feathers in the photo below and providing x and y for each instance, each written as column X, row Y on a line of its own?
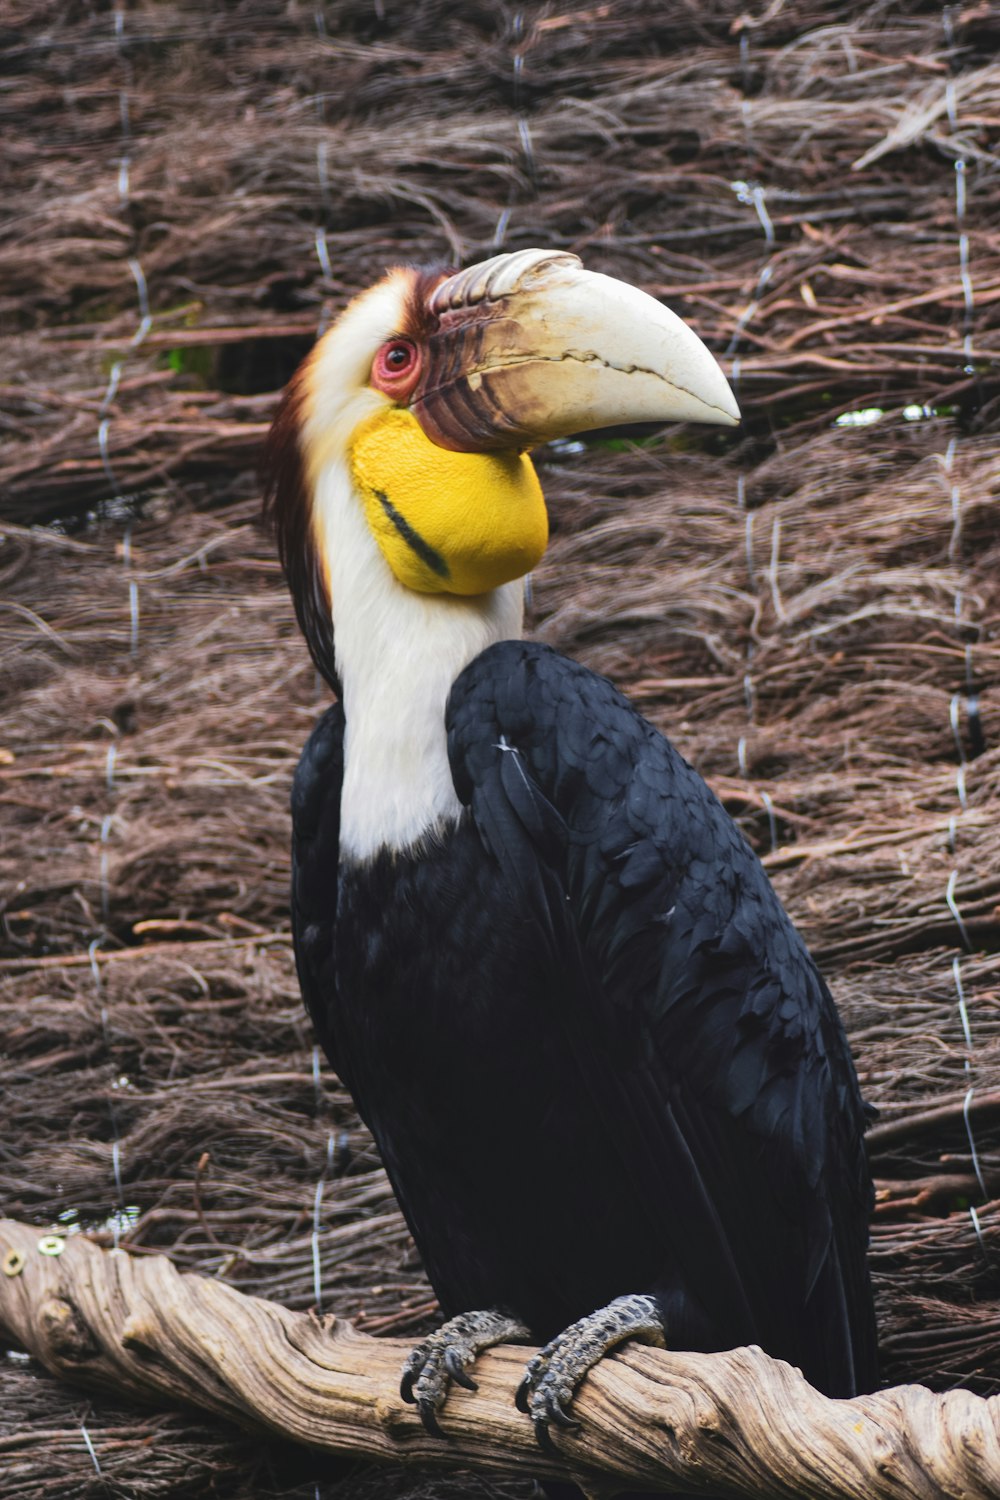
column 288, row 508
column 420, row 321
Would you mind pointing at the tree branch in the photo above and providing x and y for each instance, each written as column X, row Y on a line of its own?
column 738, row 1423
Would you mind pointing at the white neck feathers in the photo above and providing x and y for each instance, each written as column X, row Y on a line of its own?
column 398, row 653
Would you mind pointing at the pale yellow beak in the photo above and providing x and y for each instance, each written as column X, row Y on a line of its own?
column 530, row 346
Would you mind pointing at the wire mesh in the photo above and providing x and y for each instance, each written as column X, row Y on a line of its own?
column 190, row 192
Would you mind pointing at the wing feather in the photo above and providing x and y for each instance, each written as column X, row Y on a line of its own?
column 315, row 859
column 694, row 1014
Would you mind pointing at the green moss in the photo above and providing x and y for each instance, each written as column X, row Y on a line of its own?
column 196, row 362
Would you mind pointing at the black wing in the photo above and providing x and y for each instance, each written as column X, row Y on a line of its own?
column 696, row 1018
column 315, row 855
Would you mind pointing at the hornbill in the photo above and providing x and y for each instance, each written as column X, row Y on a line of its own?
column 609, row 1086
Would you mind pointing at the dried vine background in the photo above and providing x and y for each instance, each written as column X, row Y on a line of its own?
column 810, row 608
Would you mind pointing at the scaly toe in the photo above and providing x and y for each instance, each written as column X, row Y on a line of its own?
column 411, row 1371
column 444, row 1356
column 553, row 1374
column 535, row 1366
column 427, row 1410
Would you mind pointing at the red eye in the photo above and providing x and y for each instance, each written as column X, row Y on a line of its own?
column 396, row 367
column 399, row 357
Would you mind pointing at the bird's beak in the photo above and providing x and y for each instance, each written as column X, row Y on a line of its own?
column 530, row 346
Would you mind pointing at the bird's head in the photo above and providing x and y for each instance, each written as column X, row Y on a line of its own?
column 425, row 397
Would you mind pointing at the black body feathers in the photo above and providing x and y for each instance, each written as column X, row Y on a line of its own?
column 593, row 1050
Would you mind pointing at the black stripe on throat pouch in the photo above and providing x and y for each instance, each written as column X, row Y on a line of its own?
column 427, row 554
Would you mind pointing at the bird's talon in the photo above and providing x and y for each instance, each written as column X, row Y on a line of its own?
column 444, row 1356
column 554, row 1373
column 428, row 1417
column 544, row 1438
column 555, row 1413
column 456, row 1369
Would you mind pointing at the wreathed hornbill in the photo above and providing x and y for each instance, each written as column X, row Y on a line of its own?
column 609, row 1086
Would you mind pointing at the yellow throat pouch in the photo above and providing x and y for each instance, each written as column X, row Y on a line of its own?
column 457, row 523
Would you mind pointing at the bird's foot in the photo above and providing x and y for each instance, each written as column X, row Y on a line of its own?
column 555, row 1372
column 445, row 1356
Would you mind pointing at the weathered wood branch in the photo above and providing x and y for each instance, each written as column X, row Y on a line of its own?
column 739, row 1423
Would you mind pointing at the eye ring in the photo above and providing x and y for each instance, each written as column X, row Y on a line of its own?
column 396, row 367
column 398, row 357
